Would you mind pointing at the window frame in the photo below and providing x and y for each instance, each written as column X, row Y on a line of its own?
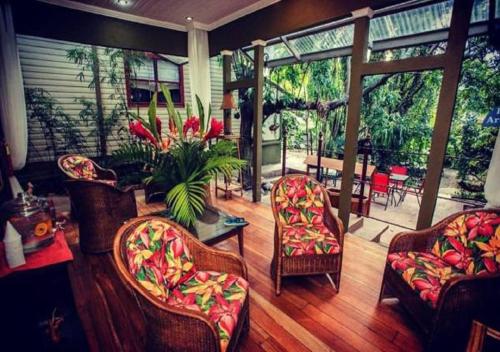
column 154, row 58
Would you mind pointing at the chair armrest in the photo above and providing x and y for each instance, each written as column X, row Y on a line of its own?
column 210, row 259
column 334, row 224
column 418, row 241
column 459, row 292
column 106, row 174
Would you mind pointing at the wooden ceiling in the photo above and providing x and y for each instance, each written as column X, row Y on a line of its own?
column 207, row 14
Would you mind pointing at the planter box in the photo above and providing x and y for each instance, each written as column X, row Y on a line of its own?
column 334, row 195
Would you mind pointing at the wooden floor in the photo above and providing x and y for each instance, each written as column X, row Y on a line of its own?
column 308, row 316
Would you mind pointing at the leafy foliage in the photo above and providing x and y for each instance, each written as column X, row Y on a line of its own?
column 185, row 168
column 60, row 131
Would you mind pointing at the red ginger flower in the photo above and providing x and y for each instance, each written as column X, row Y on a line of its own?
column 158, row 125
column 193, row 124
column 216, row 127
column 138, row 129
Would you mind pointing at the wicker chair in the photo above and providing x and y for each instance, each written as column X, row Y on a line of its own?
column 175, row 318
column 308, row 240
column 98, row 205
column 443, row 283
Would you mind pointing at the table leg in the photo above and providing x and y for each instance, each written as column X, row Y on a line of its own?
column 240, row 241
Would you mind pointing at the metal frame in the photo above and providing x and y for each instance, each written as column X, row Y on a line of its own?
column 450, row 62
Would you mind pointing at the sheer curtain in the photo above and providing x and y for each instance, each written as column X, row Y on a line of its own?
column 12, row 104
column 199, row 66
column 492, row 188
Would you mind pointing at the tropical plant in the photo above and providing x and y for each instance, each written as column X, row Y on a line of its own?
column 59, row 129
column 181, row 160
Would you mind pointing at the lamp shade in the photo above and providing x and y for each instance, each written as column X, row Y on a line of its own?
column 228, row 102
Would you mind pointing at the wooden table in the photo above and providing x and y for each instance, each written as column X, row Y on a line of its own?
column 209, row 228
column 336, row 164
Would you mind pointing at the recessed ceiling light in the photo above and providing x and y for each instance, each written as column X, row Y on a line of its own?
column 123, row 3
column 189, row 18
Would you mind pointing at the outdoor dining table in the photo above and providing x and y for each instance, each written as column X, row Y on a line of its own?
column 336, row 164
column 399, row 183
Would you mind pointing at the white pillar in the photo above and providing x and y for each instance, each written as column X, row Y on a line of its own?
column 199, row 66
column 12, row 104
column 492, row 185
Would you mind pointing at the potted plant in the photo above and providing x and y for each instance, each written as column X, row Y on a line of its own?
column 184, row 159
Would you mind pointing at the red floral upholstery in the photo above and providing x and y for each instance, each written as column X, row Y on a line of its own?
column 158, row 258
column 307, row 239
column 218, row 295
column 300, row 206
column 79, row 167
column 299, row 200
column 424, row 272
column 162, row 264
column 470, row 245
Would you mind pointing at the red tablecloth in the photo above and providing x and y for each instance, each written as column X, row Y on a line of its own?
column 57, row 252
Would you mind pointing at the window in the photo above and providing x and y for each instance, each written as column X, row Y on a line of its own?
column 144, row 79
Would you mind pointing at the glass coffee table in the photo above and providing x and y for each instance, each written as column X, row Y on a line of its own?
column 209, row 228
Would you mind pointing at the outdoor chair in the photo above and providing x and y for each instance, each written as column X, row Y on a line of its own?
column 398, row 170
column 193, row 297
column 447, row 275
column 308, row 237
column 99, row 206
column 380, row 187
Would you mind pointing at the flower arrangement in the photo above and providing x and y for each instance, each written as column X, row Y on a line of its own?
column 180, row 158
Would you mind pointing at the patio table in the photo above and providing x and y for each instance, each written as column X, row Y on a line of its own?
column 399, row 183
column 209, row 228
column 336, row 164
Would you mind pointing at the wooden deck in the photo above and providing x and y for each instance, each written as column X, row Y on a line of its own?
column 308, row 316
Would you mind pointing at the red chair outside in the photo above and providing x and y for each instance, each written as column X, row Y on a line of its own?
column 398, row 170
column 380, row 186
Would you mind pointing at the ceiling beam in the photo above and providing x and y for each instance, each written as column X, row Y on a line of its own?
column 49, row 21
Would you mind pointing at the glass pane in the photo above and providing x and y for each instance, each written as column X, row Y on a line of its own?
column 175, row 92
column 143, row 71
column 276, row 51
column 422, row 19
column 141, row 91
column 331, row 39
column 167, row 71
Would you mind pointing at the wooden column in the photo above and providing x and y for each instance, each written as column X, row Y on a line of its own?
column 227, row 57
column 457, row 38
column 359, row 50
column 257, row 117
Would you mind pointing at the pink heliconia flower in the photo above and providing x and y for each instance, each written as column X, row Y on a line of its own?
column 216, row 128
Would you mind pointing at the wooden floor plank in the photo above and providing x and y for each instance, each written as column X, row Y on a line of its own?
column 308, row 316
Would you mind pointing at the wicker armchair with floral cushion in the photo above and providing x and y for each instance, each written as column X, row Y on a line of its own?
column 99, row 206
column 447, row 275
column 194, row 297
column 308, row 237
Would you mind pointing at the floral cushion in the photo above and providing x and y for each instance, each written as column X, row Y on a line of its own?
column 299, row 200
column 79, row 167
column 471, row 243
column 308, row 239
column 424, row 272
column 158, row 258
column 218, row 295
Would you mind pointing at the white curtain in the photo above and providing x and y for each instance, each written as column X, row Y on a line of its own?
column 199, row 66
column 12, row 104
column 492, row 186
